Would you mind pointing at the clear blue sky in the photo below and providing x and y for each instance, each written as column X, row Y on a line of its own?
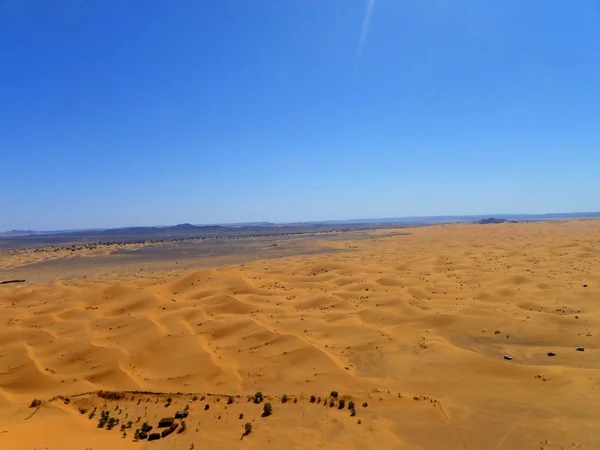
column 116, row 113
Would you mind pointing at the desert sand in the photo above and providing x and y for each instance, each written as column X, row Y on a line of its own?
column 413, row 328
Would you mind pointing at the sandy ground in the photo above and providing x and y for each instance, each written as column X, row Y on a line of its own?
column 417, row 326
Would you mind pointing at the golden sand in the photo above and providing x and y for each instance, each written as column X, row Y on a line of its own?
column 415, row 325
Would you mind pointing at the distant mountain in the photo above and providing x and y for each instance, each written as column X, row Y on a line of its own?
column 186, row 229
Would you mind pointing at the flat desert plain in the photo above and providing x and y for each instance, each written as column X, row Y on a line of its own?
column 410, row 325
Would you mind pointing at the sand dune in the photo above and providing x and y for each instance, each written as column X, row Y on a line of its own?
column 415, row 325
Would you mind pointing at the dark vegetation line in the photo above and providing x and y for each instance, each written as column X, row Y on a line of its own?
column 95, row 244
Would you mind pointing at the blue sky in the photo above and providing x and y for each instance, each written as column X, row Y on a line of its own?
column 161, row 112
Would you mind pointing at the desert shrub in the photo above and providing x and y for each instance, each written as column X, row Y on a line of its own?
column 350, row 404
column 206, row 407
column 359, row 421
column 284, row 398
column 169, row 399
column 82, row 410
column 295, row 399
column 67, row 400
column 313, row 399
column 267, row 410
column 92, row 414
column 365, row 404
column 229, row 400
column 342, row 404
column 187, row 407
column 332, row 403
column 124, row 434
column 247, row 428
column 258, row 397
column 334, row 394
column 241, row 416
column 352, row 412
column 183, row 426
column 319, row 400
column 202, row 398
column 35, row 403
column 146, row 427
column 195, row 397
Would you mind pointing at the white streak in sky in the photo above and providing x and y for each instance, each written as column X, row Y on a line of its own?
column 365, row 30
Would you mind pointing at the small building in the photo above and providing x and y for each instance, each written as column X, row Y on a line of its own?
column 166, row 422
column 153, row 437
column 181, row 414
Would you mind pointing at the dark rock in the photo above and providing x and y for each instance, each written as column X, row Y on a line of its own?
column 166, row 422
column 580, row 349
column 551, row 354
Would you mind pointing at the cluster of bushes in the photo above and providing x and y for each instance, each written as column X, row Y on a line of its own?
column 127, row 425
column 106, row 420
column 111, row 395
column 341, row 403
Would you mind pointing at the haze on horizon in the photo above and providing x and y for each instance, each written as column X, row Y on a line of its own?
column 144, row 113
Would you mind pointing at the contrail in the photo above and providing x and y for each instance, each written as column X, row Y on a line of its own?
column 364, row 31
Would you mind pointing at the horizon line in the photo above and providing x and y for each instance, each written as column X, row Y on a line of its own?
column 325, row 221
